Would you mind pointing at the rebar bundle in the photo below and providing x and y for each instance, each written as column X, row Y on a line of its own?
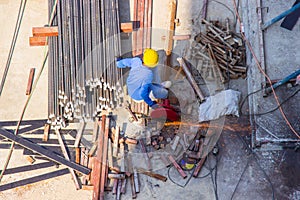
column 83, row 77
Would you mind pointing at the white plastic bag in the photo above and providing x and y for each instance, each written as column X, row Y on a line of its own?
column 223, row 103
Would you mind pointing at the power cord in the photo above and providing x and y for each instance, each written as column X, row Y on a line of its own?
column 254, row 156
column 271, row 110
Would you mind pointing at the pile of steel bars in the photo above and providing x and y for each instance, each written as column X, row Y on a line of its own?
column 83, row 77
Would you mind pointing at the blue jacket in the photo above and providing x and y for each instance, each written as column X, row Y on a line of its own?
column 139, row 80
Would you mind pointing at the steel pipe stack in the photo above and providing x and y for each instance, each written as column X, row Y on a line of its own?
column 83, row 77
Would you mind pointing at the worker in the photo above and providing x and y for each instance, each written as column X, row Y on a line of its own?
column 143, row 80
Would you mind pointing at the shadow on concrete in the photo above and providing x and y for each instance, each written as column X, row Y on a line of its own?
column 29, row 168
column 33, row 179
column 30, row 124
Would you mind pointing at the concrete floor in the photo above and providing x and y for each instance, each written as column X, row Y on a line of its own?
column 25, row 57
column 281, row 60
column 239, row 170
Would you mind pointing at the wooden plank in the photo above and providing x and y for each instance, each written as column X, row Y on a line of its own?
column 171, row 28
column 45, row 31
column 98, row 161
column 104, row 159
column 46, row 132
column 134, row 34
column 77, row 155
column 30, row 159
column 65, row 153
column 140, row 31
column 38, row 41
column 149, row 24
column 126, row 27
column 96, row 171
column 145, row 25
column 87, row 187
column 43, row 151
column 116, row 142
column 30, row 81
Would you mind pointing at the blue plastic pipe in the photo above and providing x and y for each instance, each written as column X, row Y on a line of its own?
column 283, row 81
column 279, row 17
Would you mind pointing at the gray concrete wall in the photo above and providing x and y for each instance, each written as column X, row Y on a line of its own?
column 25, row 57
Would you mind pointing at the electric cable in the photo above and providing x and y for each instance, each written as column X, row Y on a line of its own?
column 234, row 191
column 218, row 2
column 2, row 172
column 258, row 164
column 271, row 110
column 13, row 42
column 182, row 186
column 214, row 177
column 263, row 72
column 229, row 9
column 246, row 97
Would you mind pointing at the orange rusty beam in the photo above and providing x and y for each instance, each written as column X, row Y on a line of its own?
column 38, row 41
column 45, row 31
column 127, row 27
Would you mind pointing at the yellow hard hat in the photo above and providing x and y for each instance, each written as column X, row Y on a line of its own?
column 150, row 58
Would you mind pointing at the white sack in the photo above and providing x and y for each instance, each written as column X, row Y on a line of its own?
column 223, row 103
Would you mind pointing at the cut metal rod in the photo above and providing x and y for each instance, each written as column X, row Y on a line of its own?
column 30, row 81
column 191, row 79
column 181, row 172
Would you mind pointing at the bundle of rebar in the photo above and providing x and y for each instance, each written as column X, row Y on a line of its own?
column 83, row 77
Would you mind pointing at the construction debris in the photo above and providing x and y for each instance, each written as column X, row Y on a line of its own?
column 225, row 50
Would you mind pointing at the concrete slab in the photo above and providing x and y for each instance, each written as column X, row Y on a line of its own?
column 281, row 60
column 25, row 57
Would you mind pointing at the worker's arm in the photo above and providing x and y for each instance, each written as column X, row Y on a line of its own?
column 145, row 91
column 126, row 62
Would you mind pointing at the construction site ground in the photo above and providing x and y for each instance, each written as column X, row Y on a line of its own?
column 239, row 171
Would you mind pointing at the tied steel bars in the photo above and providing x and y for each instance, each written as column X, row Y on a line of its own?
column 83, row 76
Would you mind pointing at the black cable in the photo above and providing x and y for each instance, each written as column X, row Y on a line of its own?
column 234, row 191
column 234, row 16
column 182, row 186
column 246, row 97
column 13, row 43
column 237, row 5
column 271, row 110
column 260, row 167
column 214, row 178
